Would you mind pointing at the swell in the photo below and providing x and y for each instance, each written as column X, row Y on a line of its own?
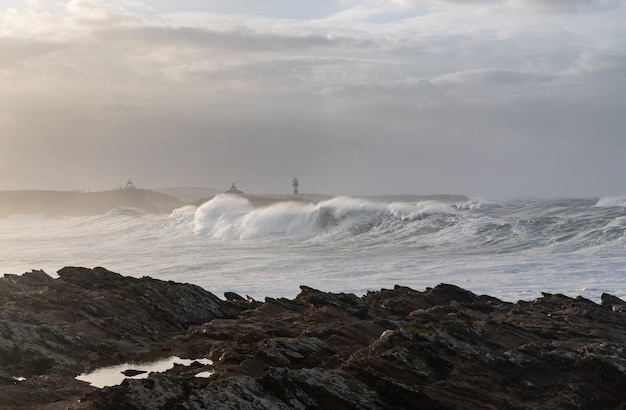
column 472, row 227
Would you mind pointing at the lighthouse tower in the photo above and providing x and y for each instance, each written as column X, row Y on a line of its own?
column 294, row 183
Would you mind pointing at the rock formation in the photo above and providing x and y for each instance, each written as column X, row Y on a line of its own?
column 443, row 348
column 53, row 329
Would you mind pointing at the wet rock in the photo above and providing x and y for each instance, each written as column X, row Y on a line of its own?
column 319, row 388
column 614, row 303
column 609, row 300
column 398, row 348
column 133, row 372
column 54, row 329
column 233, row 297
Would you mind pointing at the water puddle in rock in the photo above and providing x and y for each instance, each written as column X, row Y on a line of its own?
column 114, row 375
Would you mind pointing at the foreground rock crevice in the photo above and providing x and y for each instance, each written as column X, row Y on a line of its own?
column 441, row 348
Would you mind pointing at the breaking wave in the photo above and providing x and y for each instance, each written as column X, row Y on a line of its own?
column 233, row 217
column 476, row 226
column 512, row 248
column 611, row 201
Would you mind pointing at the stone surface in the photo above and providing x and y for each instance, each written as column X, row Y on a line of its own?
column 54, row 329
column 443, row 348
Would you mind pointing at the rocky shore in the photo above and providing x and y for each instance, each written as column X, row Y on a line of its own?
column 442, row 348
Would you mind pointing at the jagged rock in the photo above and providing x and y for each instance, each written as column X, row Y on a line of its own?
column 85, row 318
column 233, row 297
column 398, row 348
column 616, row 304
column 132, row 372
column 609, row 300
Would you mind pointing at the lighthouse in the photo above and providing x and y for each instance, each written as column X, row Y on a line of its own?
column 233, row 190
column 294, row 183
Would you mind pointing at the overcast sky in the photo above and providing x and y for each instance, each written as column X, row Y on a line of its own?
column 478, row 97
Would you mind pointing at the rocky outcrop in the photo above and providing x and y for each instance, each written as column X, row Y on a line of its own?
column 443, row 348
column 54, row 203
column 53, row 329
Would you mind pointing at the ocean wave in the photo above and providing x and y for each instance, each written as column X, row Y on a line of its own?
column 125, row 211
column 233, row 217
column 185, row 210
column 476, row 203
column 473, row 227
column 611, row 201
column 272, row 246
column 409, row 211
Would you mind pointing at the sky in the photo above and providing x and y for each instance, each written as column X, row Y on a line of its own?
column 485, row 98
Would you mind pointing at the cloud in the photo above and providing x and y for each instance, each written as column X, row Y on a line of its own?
column 90, row 9
column 598, row 64
column 357, row 93
column 261, row 55
column 535, row 6
column 484, row 78
column 566, row 6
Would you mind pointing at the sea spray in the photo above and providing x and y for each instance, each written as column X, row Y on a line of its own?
column 513, row 250
column 219, row 217
column 408, row 211
column 612, row 201
column 234, row 217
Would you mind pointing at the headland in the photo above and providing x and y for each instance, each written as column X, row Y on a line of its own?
column 80, row 203
column 77, row 203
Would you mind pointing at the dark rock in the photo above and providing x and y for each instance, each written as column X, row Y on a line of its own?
column 54, row 329
column 613, row 302
column 346, row 302
column 443, row 348
column 233, row 297
column 239, row 304
column 133, row 372
column 609, row 300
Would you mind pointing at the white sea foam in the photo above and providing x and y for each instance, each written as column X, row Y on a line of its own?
column 513, row 251
column 610, row 201
column 409, row 211
column 234, row 217
column 476, row 203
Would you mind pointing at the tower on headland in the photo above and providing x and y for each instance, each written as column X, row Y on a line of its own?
column 233, row 190
column 129, row 184
column 295, row 184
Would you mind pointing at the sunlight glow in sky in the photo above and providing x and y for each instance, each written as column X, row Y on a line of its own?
column 483, row 98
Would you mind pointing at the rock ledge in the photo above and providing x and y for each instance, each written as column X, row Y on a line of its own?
column 399, row 348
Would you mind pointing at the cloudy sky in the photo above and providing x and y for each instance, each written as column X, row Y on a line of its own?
column 478, row 97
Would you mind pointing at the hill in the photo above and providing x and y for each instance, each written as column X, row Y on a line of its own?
column 54, row 203
column 188, row 194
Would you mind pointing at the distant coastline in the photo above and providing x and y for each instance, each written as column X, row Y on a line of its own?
column 77, row 203
column 57, row 203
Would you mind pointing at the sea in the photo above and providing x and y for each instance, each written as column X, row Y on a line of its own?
column 513, row 250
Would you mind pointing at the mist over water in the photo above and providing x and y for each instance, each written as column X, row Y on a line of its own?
column 512, row 250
